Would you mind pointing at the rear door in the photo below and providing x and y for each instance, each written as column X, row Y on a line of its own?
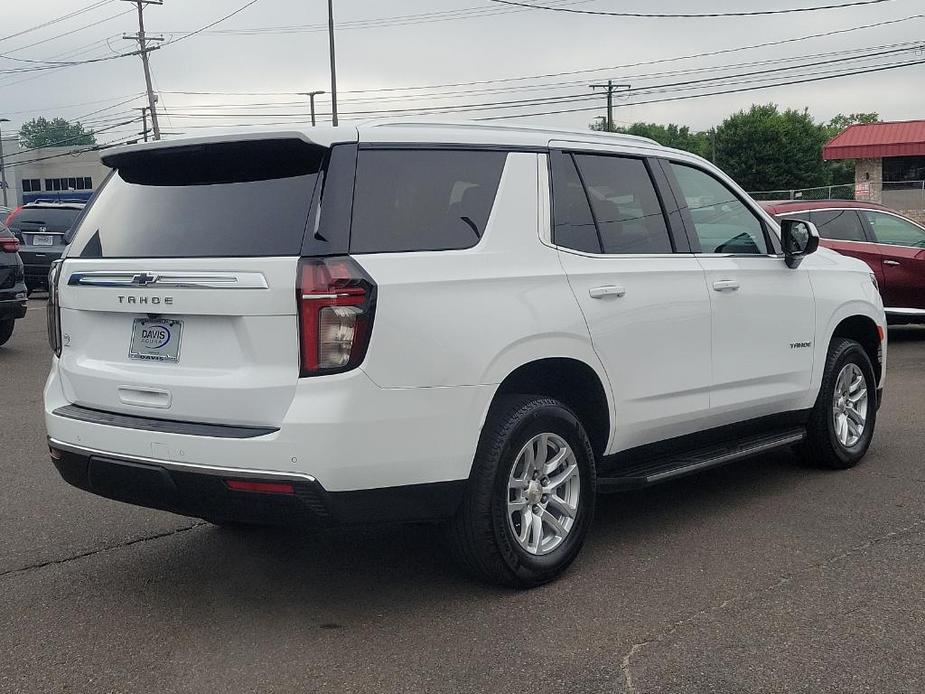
column 640, row 289
column 902, row 248
column 177, row 293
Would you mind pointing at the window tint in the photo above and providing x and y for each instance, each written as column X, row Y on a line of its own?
column 839, row 225
column 222, row 200
column 56, row 219
column 626, row 207
column 895, row 231
column 423, row 200
column 724, row 224
column 574, row 225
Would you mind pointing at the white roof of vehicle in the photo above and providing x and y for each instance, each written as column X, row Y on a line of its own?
column 403, row 131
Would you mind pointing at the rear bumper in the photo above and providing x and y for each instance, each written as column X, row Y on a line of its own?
column 37, row 262
column 12, row 308
column 206, row 492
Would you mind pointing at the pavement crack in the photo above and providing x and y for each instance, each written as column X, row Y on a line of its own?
column 629, row 684
column 100, row 550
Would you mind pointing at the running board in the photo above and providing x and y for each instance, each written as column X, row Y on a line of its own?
column 643, row 473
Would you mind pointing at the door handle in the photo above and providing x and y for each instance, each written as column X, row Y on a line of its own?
column 609, row 290
column 726, row 285
column 891, row 262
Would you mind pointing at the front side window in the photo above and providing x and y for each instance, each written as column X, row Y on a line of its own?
column 895, row 231
column 722, row 222
column 629, row 216
column 423, row 200
column 838, row 225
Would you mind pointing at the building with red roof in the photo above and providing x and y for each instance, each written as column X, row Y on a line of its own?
column 889, row 162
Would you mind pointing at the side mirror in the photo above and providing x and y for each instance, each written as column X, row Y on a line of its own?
column 799, row 239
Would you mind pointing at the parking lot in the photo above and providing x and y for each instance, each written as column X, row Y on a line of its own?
column 761, row 577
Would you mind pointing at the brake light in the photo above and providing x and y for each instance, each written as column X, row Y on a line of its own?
column 53, row 310
column 9, row 218
column 9, row 244
column 336, row 300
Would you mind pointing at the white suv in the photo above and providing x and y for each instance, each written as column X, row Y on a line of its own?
column 476, row 324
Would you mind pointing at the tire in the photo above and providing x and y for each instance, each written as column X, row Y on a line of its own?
column 824, row 446
column 484, row 536
column 6, row 330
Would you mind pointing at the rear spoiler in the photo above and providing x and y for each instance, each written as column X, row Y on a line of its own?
column 322, row 137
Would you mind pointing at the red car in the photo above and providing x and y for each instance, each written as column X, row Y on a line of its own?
column 893, row 246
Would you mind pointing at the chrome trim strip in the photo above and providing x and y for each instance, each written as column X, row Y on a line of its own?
column 172, row 280
column 184, row 467
column 905, row 311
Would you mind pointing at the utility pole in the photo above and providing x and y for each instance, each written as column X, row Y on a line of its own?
column 144, row 120
column 311, row 99
column 143, row 51
column 2, row 167
column 610, row 86
column 333, row 66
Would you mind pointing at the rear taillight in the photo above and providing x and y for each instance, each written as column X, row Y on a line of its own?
column 9, row 218
column 9, row 244
column 53, row 310
column 336, row 300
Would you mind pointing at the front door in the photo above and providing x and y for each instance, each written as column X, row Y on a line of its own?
column 763, row 313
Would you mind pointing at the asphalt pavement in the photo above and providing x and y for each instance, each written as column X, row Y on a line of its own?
column 759, row 577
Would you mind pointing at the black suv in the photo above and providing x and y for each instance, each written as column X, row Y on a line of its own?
column 12, row 285
column 41, row 227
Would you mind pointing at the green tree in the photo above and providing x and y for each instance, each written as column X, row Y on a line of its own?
column 765, row 148
column 671, row 135
column 842, row 171
column 58, row 132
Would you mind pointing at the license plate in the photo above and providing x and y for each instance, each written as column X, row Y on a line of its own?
column 43, row 240
column 156, row 339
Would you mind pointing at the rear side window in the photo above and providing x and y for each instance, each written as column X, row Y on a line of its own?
column 625, row 205
column 234, row 199
column 838, row 225
column 574, row 226
column 422, row 200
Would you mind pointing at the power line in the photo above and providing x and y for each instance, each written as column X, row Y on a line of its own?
column 648, row 15
column 209, row 26
column 62, row 18
column 894, row 66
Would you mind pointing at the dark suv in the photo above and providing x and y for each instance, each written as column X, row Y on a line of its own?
column 12, row 286
column 40, row 228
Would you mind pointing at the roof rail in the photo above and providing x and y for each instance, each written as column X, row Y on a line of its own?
column 595, row 134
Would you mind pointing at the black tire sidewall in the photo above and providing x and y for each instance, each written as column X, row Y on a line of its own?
column 6, row 329
column 545, row 418
column 852, row 353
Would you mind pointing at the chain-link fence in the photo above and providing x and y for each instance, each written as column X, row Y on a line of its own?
column 842, row 192
column 898, row 195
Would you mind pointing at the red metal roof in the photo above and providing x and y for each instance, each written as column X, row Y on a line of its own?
column 876, row 140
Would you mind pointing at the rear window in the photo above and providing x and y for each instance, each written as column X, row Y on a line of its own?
column 56, row 219
column 423, row 200
column 222, row 200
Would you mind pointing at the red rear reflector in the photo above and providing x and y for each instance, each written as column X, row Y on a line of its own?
column 881, row 332
column 9, row 245
column 260, row 487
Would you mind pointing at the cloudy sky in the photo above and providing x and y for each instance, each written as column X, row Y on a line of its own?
column 455, row 58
